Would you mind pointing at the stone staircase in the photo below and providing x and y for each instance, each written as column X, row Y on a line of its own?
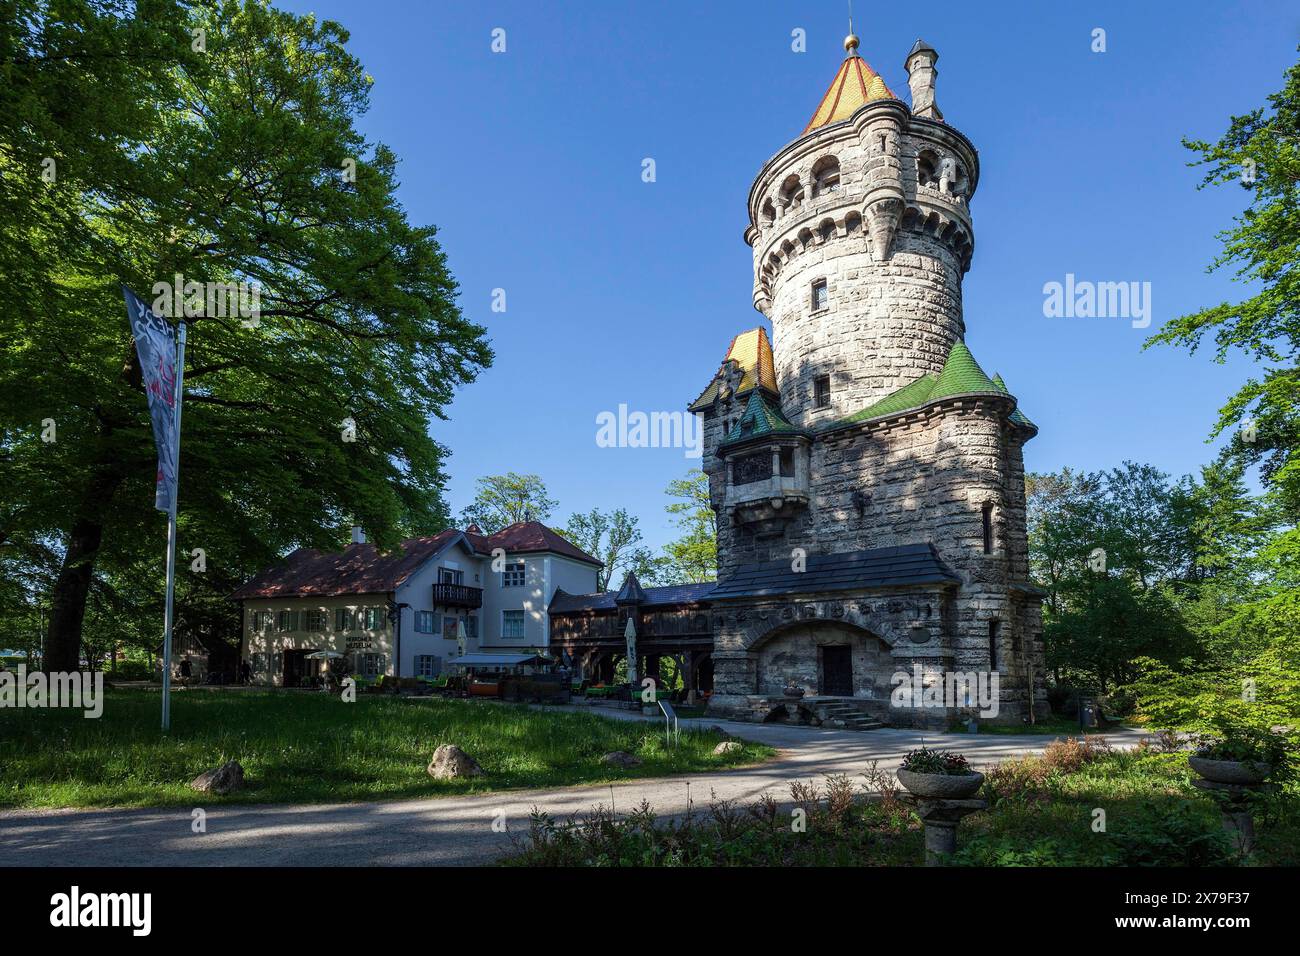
column 842, row 715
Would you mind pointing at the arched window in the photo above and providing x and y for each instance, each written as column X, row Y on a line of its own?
column 927, row 168
column 791, row 191
column 768, row 213
column 852, row 223
column 826, row 175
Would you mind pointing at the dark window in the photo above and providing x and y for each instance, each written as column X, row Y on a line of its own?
column 822, row 391
column 820, row 295
column 995, row 631
column 988, row 529
column 752, row 468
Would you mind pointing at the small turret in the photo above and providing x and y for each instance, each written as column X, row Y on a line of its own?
column 920, row 77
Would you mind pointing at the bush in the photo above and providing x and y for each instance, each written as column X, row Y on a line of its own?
column 130, row 670
column 1029, row 780
column 1071, row 754
column 1169, row 834
column 1245, row 744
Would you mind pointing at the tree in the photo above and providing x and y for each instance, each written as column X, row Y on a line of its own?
column 1260, row 152
column 615, row 539
column 503, row 500
column 237, row 162
column 694, row 556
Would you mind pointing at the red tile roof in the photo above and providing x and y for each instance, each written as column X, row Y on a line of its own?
column 363, row 569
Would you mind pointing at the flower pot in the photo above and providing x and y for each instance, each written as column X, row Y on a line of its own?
column 941, row 786
column 1241, row 772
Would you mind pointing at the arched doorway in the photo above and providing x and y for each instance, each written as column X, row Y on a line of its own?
column 824, row 659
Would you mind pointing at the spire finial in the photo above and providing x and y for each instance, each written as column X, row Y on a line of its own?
column 850, row 41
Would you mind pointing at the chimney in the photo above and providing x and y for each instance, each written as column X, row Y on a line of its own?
column 920, row 77
column 358, row 534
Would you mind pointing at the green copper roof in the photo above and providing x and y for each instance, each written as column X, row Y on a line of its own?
column 961, row 375
column 762, row 416
column 1017, row 416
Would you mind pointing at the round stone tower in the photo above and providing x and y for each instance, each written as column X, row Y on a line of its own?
column 861, row 234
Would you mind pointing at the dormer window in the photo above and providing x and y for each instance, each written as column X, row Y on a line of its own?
column 822, row 391
column 820, row 295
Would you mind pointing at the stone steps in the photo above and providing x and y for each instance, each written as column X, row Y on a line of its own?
column 847, row 717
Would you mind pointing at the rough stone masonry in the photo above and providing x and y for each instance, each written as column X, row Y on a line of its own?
column 867, row 474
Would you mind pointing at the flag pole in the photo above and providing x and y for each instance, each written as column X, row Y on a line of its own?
column 169, row 618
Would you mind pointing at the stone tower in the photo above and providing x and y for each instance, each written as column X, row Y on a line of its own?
column 867, row 474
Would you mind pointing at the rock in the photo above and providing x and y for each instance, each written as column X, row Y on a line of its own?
column 728, row 747
column 450, row 763
column 225, row 779
column 620, row 758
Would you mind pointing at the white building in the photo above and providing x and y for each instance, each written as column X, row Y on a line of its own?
column 498, row 586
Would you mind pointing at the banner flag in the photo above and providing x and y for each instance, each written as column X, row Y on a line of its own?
column 155, row 344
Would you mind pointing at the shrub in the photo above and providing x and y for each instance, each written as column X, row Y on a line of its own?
column 1029, row 780
column 1168, row 834
column 1244, row 744
column 1070, row 755
column 943, row 762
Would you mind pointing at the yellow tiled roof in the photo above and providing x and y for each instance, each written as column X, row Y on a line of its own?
column 752, row 352
column 855, row 84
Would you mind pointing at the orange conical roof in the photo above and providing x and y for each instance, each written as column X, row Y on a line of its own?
column 855, row 84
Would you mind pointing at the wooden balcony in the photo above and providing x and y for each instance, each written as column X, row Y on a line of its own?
column 457, row 595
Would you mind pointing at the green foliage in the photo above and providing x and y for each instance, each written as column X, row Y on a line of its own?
column 615, row 539
column 225, row 165
column 926, row 760
column 503, row 500
column 694, row 556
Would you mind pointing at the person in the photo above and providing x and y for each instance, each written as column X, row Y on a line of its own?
column 187, row 671
column 245, row 673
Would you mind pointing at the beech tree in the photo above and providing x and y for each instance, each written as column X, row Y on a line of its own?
column 215, row 141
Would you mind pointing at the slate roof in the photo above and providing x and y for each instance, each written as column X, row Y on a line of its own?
column 564, row 602
column 364, row 569
column 752, row 352
column 631, row 592
column 853, row 570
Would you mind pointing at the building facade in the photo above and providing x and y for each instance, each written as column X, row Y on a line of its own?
column 867, row 473
column 437, row 597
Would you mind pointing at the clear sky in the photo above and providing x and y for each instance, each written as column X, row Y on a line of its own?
column 621, row 291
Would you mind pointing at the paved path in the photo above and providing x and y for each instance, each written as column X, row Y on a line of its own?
column 450, row 831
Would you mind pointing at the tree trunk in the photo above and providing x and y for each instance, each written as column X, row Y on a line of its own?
column 68, row 598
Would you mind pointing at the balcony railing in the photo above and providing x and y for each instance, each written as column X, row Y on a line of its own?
column 457, row 595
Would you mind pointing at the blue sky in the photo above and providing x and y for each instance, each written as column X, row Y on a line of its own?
column 620, row 291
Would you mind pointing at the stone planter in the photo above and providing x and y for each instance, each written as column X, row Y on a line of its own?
column 1243, row 773
column 941, row 786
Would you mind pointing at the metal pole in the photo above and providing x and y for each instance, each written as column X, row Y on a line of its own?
column 168, row 618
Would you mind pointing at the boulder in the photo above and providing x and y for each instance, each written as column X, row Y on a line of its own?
column 222, row 780
column 728, row 747
column 450, row 763
column 620, row 758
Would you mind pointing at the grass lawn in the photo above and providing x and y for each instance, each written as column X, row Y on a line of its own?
column 302, row 747
column 1042, row 813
